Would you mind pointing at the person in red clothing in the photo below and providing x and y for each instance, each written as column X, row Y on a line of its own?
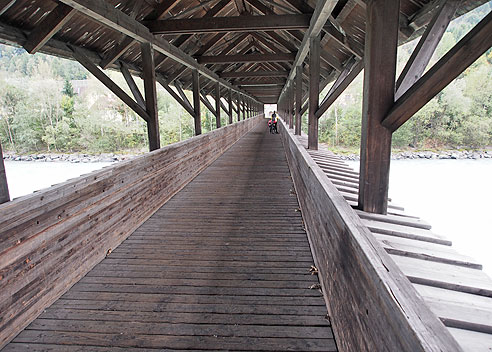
column 272, row 123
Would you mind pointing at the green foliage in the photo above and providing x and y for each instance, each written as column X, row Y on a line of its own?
column 460, row 115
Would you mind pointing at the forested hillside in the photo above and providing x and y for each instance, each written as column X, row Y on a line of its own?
column 459, row 116
column 52, row 104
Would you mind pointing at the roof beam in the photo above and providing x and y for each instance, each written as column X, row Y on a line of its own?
column 320, row 16
column 105, row 13
column 229, row 24
column 286, row 57
column 456, row 60
column 51, row 24
column 262, row 82
column 253, row 74
column 5, row 5
column 119, row 49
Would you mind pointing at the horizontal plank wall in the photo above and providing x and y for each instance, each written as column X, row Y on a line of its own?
column 51, row 238
column 372, row 304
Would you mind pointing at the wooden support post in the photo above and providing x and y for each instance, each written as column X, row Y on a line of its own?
column 238, row 105
column 298, row 123
column 229, row 101
column 379, row 93
column 4, row 188
column 150, row 96
column 291, row 106
column 217, row 104
column 314, row 56
column 196, row 103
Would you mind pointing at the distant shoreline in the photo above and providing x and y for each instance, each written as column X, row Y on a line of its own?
column 112, row 157
column 440, row 155
column 70, row 158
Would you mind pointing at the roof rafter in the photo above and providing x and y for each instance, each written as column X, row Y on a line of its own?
column 318, row 20
column 51, row 24
column 109, row 16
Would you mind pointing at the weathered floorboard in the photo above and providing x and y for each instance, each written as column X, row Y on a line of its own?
column 223, row 265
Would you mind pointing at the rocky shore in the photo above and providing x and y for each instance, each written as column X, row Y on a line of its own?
column 71, row 158
column 447, row 154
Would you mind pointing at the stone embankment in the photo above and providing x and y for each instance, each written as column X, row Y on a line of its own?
column 72, row 158
column 449, row 154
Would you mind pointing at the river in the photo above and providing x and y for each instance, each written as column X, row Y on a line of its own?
column 452, row 195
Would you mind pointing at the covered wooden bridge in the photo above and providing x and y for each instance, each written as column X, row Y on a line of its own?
column 237, row 239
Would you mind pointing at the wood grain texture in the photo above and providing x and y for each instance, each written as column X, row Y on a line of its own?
column 4, row 187
column 384, row 313
column 212, row 269
column 52, row 238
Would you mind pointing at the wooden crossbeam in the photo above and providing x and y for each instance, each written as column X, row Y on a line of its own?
column 206, row 102
column 183, row 39
column 179, row 88
column 176, row 97
column 132, row 85
column 320, row 16
column 229, row 24
column 424, row 50
column 261, row 82
column 286, row 57
column 456, row 60
column 51, row 24
column 106, row 14
column 101, row 76
column 160, row 11
column 344, row 79
column 259, row 73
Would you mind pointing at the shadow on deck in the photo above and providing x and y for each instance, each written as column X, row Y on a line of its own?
column 223, row 265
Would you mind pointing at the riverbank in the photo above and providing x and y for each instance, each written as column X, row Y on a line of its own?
column 440, row 155
column 71, row 158
column 112, row 157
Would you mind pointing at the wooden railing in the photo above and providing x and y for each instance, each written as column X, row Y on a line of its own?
column 372, row 304
column 51, row 238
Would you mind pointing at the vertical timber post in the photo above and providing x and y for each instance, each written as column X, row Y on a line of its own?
column 314, row 57
column 290, row 104
column 196, row 103
column 217, row 105
column 379, row 94
column 229, row 100
column 238, row 99
column 150, row 96
column 4, row 188
column 298, row 100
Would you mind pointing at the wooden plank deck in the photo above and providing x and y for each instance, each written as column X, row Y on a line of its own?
column 224, row 265
column 451, row 284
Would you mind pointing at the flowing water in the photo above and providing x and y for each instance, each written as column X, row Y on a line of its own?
column 454, row 196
